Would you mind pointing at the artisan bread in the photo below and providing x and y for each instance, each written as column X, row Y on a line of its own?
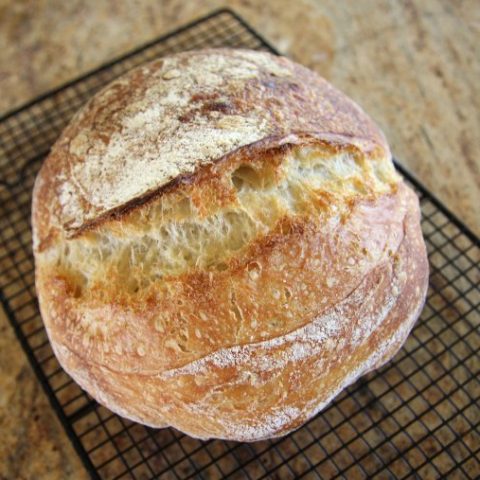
column 222, row 245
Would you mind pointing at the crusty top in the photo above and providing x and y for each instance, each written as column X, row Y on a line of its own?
column 222, row 244
column 165, row 119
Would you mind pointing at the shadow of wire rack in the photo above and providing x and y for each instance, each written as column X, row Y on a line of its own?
column 418, row 416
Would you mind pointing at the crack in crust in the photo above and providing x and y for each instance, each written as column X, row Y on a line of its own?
column 128, row 141
column 223, row 235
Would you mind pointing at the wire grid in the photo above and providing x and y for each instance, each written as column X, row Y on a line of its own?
column 418, row 416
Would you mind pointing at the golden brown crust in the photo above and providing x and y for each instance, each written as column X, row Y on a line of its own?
column 267, row 390
column 96, row 168
column 318, row 270
column 326, row 263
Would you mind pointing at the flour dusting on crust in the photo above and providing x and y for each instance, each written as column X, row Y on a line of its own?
column 222, row 245
column 170, row 117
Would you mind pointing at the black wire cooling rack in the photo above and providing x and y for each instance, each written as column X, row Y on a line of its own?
column 418, row 417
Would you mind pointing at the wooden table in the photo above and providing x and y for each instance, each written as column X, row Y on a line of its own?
column 412, row 65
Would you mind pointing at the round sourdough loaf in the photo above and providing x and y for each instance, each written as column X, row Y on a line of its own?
column 222, row 245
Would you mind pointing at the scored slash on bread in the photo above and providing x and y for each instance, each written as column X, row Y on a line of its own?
column 222, row 244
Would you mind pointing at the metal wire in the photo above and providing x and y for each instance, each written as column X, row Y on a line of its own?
column 418, row 416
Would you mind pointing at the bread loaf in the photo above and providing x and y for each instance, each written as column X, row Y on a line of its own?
column 222, row 245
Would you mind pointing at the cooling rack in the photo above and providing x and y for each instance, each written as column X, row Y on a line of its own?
column 417, row 417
